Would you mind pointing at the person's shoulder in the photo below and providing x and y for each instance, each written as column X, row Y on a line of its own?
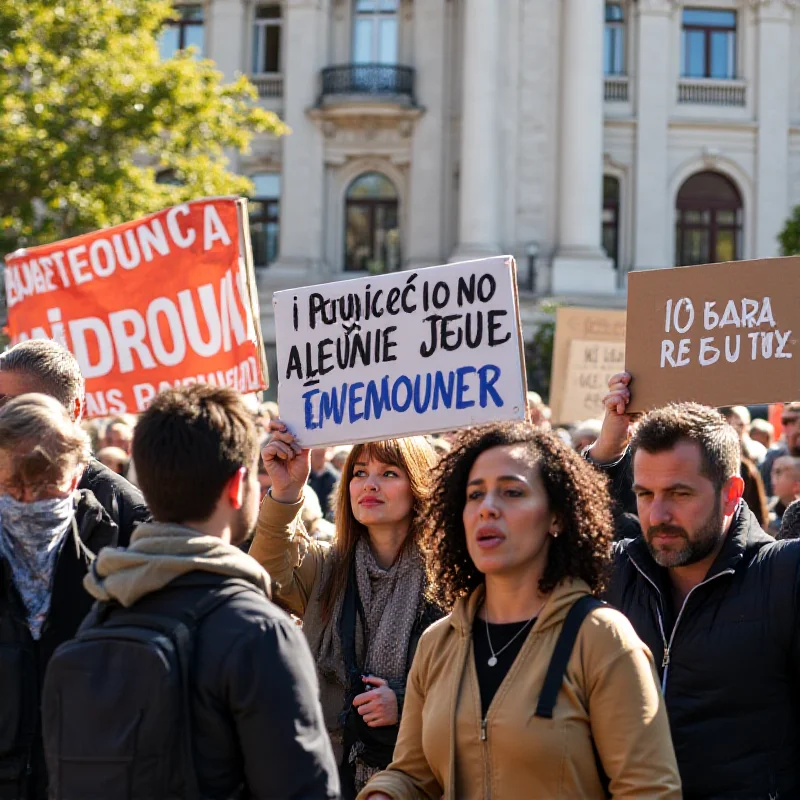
column 609, row 632
column 99, row 479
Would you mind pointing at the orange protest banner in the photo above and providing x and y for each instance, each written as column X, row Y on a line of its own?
column 162, row 301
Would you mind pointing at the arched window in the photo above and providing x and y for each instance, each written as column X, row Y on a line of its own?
column 708, row 220
column 372, row 235
column 611, row 218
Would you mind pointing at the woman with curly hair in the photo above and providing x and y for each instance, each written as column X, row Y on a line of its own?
column 364, row 598
column 522, row 531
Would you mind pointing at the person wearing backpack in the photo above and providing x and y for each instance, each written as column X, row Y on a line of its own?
column 530, row 688
column 185, row 681
column 49, row 530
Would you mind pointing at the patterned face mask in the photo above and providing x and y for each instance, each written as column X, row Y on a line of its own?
column 31, row 535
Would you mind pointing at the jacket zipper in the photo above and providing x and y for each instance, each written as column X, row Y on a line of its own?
column 484, row 738
column 668, row 645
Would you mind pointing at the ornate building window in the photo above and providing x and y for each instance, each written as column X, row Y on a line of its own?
column 708, row 44
column 614, row 48
column 611, row 218
column 264, row 211
column 708, row 220
column 372, row 233
column 185, row 29
column 267, row 39
column 375, row 31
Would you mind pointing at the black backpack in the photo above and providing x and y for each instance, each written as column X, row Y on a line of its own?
column 116, row 717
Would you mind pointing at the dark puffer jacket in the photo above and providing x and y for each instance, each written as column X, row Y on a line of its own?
column 23, row 660
column 730, row 662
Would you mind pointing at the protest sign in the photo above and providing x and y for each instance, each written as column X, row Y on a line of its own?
column 162, row 301
column 589, row 348
column 400, row 354
column 719, row 334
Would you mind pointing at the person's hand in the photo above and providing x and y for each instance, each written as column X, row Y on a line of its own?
column 615, row 433
column 378, row 706
column 287, row 464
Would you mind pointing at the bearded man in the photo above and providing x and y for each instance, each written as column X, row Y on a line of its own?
column 714, row 597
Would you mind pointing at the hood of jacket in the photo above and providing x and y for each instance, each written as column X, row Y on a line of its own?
column 159, row 553
column 554, row 611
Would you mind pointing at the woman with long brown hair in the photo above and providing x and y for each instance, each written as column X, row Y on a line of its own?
column 365, row 599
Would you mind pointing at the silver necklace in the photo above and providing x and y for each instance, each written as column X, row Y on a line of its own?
column 493, row 658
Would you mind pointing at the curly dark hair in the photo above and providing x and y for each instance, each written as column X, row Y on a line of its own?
column 577, row 492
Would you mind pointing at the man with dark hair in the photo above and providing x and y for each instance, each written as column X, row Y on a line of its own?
column 46, row 367
column 257, row 728
column 713, row 596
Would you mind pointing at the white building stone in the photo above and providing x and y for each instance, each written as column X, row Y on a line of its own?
column 494, row 125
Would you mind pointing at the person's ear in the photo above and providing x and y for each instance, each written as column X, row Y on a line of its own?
column 236, row 486
column 732, row 493
column 78, row 408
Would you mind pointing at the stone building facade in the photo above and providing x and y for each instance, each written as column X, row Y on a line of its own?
column 586, row 138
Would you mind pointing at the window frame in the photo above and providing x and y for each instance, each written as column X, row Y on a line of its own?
column 375, row 16
column 619, row 27
column 259, row 38
column 182, row 24
column 713, row 226
column 270, row 213
column 708, row 30
column 614, row 205
column 370, row 205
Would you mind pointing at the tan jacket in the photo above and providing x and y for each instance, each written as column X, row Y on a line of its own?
column 441, row 749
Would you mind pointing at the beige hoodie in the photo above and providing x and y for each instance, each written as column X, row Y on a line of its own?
column 159, row 553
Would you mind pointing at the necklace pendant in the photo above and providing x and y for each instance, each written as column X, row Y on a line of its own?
column 492, row 661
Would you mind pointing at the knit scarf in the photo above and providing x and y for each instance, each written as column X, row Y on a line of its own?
column 391, row 599
column 31, row 535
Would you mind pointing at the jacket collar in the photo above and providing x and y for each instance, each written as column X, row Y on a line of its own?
column 744, row 537
column 554, row 611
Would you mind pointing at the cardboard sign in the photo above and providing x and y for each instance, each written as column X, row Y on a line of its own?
column 166, row 300
column 401, row 354
column 589, row 348
column 719, row 334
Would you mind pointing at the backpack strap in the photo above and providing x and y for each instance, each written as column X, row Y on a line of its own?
column 558, row 668
column 558, row 663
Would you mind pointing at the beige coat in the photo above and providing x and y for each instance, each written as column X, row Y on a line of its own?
column 440, row 750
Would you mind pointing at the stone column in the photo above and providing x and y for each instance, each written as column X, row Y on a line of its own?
column 580, row 264
column 226, row 34
column 772, row 104
column 427, row 173
column 655, row 84
column 479, row 184
column 305, row 48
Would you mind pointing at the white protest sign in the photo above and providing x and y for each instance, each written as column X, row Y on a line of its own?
column 406, row 353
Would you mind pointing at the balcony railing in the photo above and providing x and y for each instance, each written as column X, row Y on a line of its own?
column 616, row 89
column 268, row 85
column 371, row 80
column 696, row 91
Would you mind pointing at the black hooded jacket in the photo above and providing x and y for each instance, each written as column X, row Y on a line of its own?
column 23, row 660
column 729, row 663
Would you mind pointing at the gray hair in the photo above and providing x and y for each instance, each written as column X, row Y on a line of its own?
column 45, row 444
column 53, row 367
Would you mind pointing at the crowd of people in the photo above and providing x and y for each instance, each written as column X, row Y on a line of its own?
column 195, row 606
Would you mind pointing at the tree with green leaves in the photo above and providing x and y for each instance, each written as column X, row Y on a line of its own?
column 89, row 114
column 789, row 237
